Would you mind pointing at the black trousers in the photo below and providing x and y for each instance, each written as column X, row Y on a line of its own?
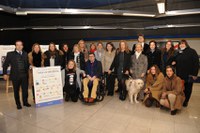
column 21, row 81
column 33, row 92
column 110, row 82
column 188, row 91
column 72, row 92
column 122, row 89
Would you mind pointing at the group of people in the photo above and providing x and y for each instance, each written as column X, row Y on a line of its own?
column 163, row 70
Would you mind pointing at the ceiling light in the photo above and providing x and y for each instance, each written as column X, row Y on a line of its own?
column 136, row 14
column 161, row 7
column 183, row 12
column 86, row 27
column 81, row 11
column 43, row 12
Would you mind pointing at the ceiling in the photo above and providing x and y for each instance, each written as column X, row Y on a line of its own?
column 60, row 3
column 94, row 25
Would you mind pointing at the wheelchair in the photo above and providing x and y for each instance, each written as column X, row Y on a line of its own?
column 100, row 92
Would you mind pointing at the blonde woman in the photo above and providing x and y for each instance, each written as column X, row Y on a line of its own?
column 78, row 58
column 35, row 59
column 83, row 49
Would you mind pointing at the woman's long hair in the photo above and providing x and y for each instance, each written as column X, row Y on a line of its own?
column 126, row 46
column 150, row 77
column 36, row 44
column 171, row 50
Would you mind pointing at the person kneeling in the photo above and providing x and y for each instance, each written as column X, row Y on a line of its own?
column 172, row 96
column 71, row 89
column 154, row 84
column 93, row 72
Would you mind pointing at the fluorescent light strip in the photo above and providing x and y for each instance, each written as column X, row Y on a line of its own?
column 43, row 12
column 181, row 13
column 140, row 15
column 76, row 11
column 97, row 13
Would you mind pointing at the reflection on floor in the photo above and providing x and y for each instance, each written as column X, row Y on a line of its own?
column 108, row 116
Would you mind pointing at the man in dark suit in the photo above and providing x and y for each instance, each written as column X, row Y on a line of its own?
column 144, row 45
column 18, row 61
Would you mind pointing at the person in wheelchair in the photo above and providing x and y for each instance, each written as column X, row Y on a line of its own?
column 71, row 84
column 93, row 74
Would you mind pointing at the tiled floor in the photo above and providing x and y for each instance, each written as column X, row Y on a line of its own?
column 108, row 116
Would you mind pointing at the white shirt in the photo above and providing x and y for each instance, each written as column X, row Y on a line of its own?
column 142, row 44
column 20, row 52
column 75, row 56
column 137, row 54
column 52, row 61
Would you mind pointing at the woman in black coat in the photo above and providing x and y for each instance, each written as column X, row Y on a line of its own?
column 153, row 55
column 53, row 57
column 167, row 56
column 187, row 64
column 121, row 66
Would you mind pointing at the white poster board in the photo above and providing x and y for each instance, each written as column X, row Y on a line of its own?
column 47, row 86
column 3, row 52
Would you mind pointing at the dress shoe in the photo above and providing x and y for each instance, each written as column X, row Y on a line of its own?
column 86, row 100
column 67, row 98
column 173, row 112
column 19, row 107
column 27, row 105
column 185, row 104
column 91, row 100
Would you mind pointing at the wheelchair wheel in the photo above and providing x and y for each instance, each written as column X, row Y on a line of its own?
column 100, row 98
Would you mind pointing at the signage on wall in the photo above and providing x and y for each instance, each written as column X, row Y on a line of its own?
column 4, row 49
column 46, row 47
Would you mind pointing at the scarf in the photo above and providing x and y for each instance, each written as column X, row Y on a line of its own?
column 137, row 54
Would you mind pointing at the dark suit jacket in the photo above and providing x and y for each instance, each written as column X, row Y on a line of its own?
column 12, row 61
column 145, row 49
column 97, row 69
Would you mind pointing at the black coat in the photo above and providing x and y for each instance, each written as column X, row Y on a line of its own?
column 82, row 60
column 12, row 61
column 154, row 58
column 169, row 60
column 126, row 63
column 58, row 58
column 187, row 63
column 65, row 59
column 145, row 49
